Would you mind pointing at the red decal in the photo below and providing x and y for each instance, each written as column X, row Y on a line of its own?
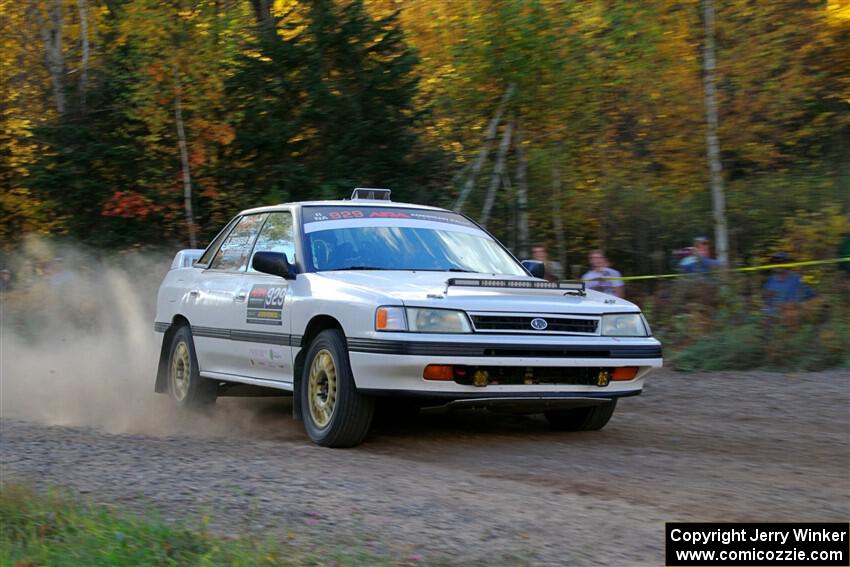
column 338, row 215
column 389, row 214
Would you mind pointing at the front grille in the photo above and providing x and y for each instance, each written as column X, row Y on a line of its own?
column 522, row 323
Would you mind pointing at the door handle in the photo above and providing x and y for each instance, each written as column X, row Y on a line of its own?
column 194, row 293
column 240, row 296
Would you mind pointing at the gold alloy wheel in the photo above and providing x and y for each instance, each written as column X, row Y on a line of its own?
column 321, row 388
column 181, row 368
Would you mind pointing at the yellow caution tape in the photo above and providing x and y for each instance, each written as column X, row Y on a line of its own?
column 746, row 269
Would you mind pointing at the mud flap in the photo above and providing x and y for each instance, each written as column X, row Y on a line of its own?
column 161, row 384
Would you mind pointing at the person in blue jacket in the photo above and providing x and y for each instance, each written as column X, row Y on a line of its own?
column 699, row 261
column 784, row 287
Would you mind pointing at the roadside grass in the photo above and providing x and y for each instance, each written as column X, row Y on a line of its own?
column 57, row 529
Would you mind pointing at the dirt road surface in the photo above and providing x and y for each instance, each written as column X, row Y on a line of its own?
column 477, row 487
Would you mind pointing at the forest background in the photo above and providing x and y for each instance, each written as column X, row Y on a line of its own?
column 576, row 125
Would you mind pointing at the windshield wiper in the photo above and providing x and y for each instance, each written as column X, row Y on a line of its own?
column 404, row 269
column 443, row 270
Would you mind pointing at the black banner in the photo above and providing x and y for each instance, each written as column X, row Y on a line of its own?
column 757, row 544
column 325, row 213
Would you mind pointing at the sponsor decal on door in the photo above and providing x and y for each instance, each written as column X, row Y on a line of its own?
column 265, row 305
column 267, row 358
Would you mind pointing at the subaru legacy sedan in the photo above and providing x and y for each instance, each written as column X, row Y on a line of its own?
column 344, row 303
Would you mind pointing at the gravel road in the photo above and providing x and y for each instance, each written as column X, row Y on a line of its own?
column 477, row 487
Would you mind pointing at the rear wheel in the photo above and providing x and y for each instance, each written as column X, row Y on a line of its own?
column 591, row 418
column 185, row 383
column 335, row 413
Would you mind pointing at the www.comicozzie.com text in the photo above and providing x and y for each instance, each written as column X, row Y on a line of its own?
column 726, row 536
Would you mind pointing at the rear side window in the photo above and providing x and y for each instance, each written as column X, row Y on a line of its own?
column 277, row 236
column 234, row 251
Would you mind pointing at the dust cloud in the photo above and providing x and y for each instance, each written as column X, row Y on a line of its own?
column 77, row 347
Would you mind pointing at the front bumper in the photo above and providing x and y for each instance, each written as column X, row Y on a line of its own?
column 395, row 366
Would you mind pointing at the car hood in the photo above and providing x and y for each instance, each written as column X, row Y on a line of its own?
column 430, row 289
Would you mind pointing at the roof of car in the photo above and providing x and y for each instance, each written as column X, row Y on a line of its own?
column 343, row 203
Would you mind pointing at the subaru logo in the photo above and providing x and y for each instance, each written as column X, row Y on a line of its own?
column 539, row 324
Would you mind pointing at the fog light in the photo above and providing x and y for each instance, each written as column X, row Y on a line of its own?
column 603, row 378
column 438, row 372
column 624, row 373
column 481, row 378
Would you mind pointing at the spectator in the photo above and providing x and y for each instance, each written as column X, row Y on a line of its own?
column 551, row 269
column 784, row 289
column 596, row 280
column 700, row 260
column 5, row 279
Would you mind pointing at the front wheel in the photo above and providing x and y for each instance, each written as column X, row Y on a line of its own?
column 591, row 418
column 335, row 413
column 185, row 383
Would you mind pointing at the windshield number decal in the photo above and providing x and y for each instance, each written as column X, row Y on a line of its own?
column 265, row 305
column 353, row 214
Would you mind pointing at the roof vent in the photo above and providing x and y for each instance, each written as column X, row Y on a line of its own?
column 367, row 193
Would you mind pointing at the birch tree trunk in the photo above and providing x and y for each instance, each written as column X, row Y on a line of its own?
column 184, row 160
column 718, row 197
column 509, row 191
column 557, row 222
column 522, row 192
column 496, row 178
column 82, row 7
column 489, row 136
column 51, row 35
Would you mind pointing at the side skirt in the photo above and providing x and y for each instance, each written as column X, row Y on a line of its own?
column 282, row 386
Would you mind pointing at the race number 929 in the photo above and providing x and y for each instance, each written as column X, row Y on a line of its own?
column 274, row 297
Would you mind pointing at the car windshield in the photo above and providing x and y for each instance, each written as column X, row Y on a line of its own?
column 388, row 238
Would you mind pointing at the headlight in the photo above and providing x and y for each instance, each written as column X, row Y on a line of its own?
column 646, row 324
column 421, row 320
column 624, row 325
column 437, row 321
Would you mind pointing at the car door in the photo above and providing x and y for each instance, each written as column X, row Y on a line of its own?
column 217, row 302
column 264, row 324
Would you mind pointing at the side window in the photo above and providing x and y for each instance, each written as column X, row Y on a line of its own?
column 277, row 236
column 234, row 251
column 213, row 247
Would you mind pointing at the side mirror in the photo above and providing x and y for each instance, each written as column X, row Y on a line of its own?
column 537, row 269
column 274, row 263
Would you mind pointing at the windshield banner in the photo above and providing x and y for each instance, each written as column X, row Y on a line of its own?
column 335, row 217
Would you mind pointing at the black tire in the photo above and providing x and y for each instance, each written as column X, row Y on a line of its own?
column 591, row 418
column 185, row 384
column 346, row 420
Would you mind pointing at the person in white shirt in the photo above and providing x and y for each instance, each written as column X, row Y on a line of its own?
column 593, row 279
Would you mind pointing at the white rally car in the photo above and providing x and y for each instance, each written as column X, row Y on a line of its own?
column 343, row 302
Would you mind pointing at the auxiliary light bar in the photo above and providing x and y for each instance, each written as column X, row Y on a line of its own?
column 574, row 287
